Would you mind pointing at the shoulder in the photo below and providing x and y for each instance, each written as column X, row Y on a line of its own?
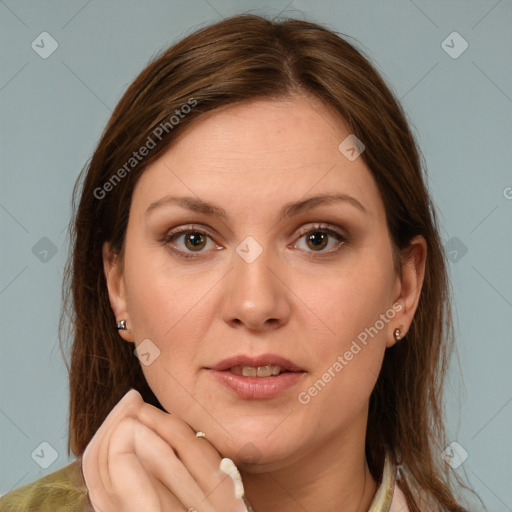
column 422, row 500
column 399, row 502
column 63, row 490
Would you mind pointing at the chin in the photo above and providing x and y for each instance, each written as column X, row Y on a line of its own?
column 254, row 452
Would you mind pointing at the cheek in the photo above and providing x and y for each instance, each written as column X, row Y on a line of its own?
column 348, row 333
column 164, row 298
column 345, row 369
column 172, row 308
column 346, row 308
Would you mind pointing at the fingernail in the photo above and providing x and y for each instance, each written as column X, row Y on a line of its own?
column 128, row 394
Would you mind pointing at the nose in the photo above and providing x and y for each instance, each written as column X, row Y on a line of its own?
column 256, row 295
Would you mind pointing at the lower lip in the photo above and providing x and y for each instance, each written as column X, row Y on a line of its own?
column 258, row 388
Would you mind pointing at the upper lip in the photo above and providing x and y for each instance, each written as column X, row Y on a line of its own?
column 262, row 360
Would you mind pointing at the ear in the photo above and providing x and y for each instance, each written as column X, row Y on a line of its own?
column 408, row 287
column 116, row 289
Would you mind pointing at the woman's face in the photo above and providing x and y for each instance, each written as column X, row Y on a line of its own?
column 262, row 279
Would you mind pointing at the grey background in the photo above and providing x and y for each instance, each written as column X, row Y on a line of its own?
column 53, row 111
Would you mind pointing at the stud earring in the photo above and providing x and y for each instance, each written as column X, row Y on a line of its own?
column 397, row 335
column 121, row 325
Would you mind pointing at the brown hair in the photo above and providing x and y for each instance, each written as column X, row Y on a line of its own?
column 239, row 59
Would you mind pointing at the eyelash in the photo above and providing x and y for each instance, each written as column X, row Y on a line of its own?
column 317, row 228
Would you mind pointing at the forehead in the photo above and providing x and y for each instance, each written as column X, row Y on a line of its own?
column 263, row 153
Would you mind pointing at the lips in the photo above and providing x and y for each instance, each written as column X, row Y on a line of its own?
column 261, row 377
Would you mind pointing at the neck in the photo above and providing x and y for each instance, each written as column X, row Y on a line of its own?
column 333, row 477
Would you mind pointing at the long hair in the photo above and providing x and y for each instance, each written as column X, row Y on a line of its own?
column 239, row 59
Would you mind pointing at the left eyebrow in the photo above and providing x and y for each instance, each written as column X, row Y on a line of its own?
column 298, row 207
column 288, row 210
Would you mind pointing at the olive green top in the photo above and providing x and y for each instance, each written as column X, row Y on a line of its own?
column 64, row 490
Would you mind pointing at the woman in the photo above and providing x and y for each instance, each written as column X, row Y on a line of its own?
column 256, row 278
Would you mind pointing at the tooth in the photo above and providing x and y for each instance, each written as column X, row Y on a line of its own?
column 249, row 371
column 264, row 371
column 276, row 370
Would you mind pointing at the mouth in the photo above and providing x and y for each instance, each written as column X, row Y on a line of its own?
column 262, row 377
column 257, row 366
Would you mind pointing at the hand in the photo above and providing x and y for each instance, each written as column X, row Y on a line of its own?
column 142, row 458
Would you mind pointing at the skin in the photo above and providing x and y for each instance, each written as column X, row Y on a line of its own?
column 304, row 303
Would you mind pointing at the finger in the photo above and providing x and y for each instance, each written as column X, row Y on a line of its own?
column 132, row 439
column 168, row 502
column 199, row 456
column 94, row 458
